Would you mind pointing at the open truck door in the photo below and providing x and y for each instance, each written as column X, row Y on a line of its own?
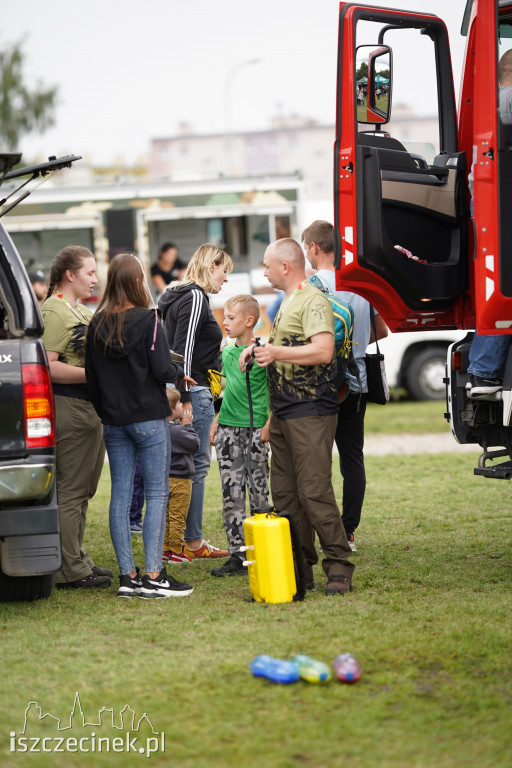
column 392, row 188
column 395, row 188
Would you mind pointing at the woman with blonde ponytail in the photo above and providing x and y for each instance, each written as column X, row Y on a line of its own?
column 194, row 332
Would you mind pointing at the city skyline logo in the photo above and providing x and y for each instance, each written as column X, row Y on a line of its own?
column 77, row 710
column 130, row 731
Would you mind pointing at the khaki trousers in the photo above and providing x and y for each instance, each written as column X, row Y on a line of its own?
column 80, row 458
column 301, row 483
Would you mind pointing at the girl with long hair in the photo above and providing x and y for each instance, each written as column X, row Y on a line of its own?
column 194, row 332
column 127, row 364
column 80, row 448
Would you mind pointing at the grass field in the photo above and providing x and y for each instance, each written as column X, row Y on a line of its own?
column 406, row 416
column 429, row 621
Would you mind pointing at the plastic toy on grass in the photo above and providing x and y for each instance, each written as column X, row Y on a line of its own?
column 275, row 670
column 312, row 670
column 346, row 668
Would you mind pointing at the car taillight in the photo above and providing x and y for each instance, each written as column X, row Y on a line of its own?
column 38, row 406
column 457, row 360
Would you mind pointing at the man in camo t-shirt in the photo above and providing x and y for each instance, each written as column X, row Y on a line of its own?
column 300, row 357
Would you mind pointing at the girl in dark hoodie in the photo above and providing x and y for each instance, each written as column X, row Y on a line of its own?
column 127, row 363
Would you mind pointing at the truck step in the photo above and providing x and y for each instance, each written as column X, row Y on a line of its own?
column 501, row 471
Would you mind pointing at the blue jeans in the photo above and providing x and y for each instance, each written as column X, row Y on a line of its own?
column 204, row 414
column 487, row 355
column 149, row 441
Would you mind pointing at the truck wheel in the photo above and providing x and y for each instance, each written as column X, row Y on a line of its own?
column 425, row 373
column 24, row 589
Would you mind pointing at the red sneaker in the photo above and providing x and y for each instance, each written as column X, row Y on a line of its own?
column 178, row 557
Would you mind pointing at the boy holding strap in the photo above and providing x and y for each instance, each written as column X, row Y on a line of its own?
column 230, row 430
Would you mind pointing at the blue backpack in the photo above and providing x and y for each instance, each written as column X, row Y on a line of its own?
column 343, row 329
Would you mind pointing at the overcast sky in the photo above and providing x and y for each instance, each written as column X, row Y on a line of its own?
column 128, row 71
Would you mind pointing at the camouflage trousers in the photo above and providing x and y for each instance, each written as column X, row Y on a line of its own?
column 231, row 445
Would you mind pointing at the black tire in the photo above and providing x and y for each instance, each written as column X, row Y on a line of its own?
column 425, row 373
column 24, row 589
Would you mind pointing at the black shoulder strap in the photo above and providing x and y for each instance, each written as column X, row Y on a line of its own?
column 374, row 327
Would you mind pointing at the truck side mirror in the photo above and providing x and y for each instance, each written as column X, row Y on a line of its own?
column 373, row 83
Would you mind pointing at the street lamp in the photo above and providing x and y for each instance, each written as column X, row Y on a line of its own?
column 227, row 108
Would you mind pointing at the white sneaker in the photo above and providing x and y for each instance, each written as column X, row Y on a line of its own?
column 163, row 586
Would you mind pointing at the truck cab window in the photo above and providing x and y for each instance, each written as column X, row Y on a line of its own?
column 414, row 87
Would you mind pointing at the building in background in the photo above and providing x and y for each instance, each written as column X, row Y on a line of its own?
column 293, row 145
column 242, row 215
column 238, row 190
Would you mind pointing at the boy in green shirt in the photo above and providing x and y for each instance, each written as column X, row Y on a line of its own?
column 230, row 430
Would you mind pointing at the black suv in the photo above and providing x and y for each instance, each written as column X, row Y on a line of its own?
column 29, row 518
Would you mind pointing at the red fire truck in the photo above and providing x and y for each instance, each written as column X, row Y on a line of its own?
column 392, row 188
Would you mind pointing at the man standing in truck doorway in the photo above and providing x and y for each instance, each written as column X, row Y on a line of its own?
column 487, row 354
column 318, row 241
